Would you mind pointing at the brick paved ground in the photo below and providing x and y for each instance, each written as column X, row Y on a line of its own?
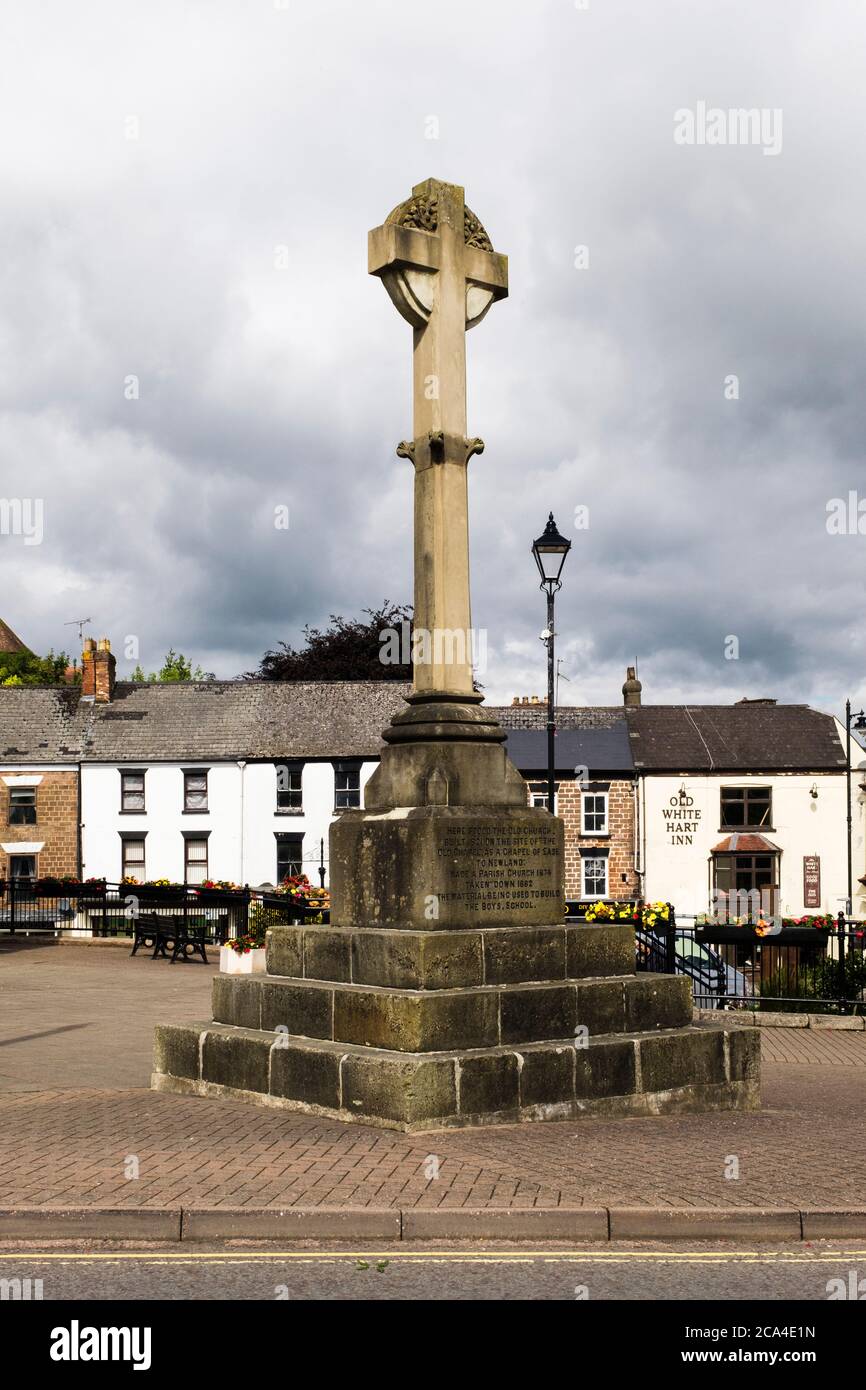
column 814, row 1047
column 83, row 1015
column 60, row 1144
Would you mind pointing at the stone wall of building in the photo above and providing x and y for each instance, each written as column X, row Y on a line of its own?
column 56, row 826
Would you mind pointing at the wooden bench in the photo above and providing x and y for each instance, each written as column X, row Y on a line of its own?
column 174, row 933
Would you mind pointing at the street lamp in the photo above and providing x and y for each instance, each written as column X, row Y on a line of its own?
column 860, row 726
column 550, row 551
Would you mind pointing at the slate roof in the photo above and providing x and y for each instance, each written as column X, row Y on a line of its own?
column 752, row 735
column 199, row 721
column 39, row 724
column 599, row 750
column 756, row 735
column 567, row 716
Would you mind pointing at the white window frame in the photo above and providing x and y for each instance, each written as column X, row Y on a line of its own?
column 127, row 868
column 538, row 795
column 605, row 796
column 588, row 859
column 195, row 864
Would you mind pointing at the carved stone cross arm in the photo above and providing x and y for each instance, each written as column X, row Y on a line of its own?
column 442, row 274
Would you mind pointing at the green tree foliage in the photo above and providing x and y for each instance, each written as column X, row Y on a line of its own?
column 347, row 650
column 175, row 667
column 24, row 668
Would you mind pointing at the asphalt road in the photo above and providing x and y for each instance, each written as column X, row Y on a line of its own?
column 645, row 1272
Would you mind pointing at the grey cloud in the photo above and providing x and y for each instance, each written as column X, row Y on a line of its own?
column 302, row 128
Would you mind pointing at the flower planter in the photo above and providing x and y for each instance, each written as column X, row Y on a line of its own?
column 219, row 896
column 741, row 936
column 155, row 897
column 242, row 962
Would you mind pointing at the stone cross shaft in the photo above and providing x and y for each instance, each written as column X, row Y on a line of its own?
column 437, row 264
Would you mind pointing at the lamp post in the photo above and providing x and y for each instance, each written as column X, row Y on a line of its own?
column 550, row 551
column 859, row 725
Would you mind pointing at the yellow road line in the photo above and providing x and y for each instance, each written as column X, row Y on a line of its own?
column 480, row 1256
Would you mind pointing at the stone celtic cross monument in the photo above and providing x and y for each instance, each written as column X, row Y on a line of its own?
column 448, row 988
column 446, row 838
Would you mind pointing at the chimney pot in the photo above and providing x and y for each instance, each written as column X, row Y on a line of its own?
column 631, row 690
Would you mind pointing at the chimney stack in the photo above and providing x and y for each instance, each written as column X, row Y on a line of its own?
column 97, row 670
column 631, row 690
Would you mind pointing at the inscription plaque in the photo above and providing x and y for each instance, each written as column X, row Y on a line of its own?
column 498, row 869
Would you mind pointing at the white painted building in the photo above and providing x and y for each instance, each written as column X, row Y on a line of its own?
column 225, row 780
column 748, row 799
column 689, row 855
column 244, row 821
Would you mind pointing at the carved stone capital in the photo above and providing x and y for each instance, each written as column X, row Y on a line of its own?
column 432, row 448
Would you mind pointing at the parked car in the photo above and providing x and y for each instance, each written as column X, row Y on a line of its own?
column 715, row 983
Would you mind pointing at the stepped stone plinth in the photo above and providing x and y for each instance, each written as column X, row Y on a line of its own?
column 440, row 1029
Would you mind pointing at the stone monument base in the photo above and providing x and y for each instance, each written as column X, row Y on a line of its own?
column 423, row 1030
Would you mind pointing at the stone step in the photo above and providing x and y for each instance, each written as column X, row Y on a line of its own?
column 430, row 1021
column 704, row 1067
column 405, row 959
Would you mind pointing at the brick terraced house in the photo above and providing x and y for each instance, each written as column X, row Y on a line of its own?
column 595, row 793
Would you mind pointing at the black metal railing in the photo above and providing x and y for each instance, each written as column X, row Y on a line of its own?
column 788, row 966
column 53, row 906
column 792, row 968
column 762, row 965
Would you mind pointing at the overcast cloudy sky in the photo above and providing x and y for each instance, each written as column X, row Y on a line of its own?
column 300, row 124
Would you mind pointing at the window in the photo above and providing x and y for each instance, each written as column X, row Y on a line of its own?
column 746, row 884
column 290, row 856
column 195, row 789
column 538, row 795
column 132, row 857
column 22, row 806
column 594, row 876
column 195, row 859
column 347, row 785
column 593, row 813
column 22, row 866
column 744, row 808
column 289, row 792
column 132, row 792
